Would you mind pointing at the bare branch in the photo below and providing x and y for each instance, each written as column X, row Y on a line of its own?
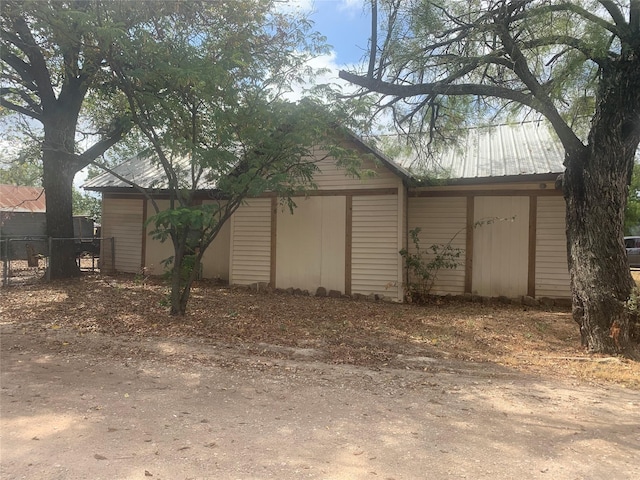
column 404, row 91
column 103, row 145
column 374, row 37
column 615, row 13
column 39, row 71
column 19, row 109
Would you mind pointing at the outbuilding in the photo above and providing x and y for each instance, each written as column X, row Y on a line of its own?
column 495, row 199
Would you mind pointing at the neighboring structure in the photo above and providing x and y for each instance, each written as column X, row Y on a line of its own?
column 498, row 203
column 23, row 222
column 22, row 215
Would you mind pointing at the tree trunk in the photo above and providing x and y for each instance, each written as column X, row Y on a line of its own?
column 595, row 188
column 57, row 180
column 600, row 278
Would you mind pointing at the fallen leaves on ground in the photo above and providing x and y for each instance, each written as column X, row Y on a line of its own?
column 335, row 330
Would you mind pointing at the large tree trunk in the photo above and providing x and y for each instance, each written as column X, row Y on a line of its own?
column 600, row 278
column 595, row 189
column 58, row 184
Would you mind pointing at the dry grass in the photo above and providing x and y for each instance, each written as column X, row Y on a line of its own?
column 340, row 330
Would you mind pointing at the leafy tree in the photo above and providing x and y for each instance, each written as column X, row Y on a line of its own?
column 21, row 172
column 576, row 63
column 53, row 62
column 632, row 213
column 86, row 205
column 205, row 94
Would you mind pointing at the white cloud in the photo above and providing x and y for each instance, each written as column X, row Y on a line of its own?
column 308, row 6
column 351, row 5
column 327, row 64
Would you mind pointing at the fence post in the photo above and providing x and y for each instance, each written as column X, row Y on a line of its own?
column 5, row 263
column 113, row 254
column 50, row 252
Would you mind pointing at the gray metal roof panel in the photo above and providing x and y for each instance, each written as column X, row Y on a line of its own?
column 146, row 172
column 497, row 151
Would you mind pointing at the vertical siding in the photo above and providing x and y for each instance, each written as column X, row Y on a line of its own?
column 156, row 252
column 374, row 256
column 501, row 248
column 122, row 220
column 251, row 242
column 215, row 262
column 442, row 220
column 552, row 271
column 311, row 244
column 332, row 177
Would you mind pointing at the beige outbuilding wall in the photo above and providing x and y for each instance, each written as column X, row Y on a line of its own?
column 552, row 271
column 442, row 221
column 375, row 258
column 122, row 220
column 250, row 243
column 346, row 236
column 501, row 246
column 215, row 262
column 310, row 245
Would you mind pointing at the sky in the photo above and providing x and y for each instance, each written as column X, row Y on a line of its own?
column 345, row 23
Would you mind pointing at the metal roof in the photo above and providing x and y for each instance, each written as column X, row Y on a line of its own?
column 145, row 172
column 527, row 148
column 509, row 150
column 15, row 198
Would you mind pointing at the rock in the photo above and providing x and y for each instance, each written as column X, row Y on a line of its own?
column 563, row 302
column 335, row 293
column 290, row 291
column 321, row 292
column 530, row 301
column 547, row 302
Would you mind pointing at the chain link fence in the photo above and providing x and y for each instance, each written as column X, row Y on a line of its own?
column 25, row 260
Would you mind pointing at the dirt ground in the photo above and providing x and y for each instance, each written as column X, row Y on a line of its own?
column 98, row 382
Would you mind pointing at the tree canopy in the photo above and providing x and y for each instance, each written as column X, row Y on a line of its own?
column 207, row 97
column 53, row 60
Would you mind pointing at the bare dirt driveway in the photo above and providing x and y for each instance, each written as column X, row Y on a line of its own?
column 83, row 404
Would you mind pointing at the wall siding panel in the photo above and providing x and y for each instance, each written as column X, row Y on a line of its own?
column 251, row 242
column 311, row 245
column 552, row 271
column 441, row 220
column 122, row 220
column 501, row 248
column 374, row 256
column 331, row 177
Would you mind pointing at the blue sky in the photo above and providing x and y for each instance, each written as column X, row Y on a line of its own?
column 346, row 24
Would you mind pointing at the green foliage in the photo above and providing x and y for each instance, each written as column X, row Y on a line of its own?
column 632, row 305
column 632, row 212
column 207, row 98
column 86, row 205
column 423, row 265
column 23, row 173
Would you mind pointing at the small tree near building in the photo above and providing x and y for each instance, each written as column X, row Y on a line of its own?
column 211, row 114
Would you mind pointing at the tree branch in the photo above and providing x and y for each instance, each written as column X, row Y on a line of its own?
column 18, row 109
column 35, row 107
column 615, row 13
column 545, row 106
column 404, row 91
column 39, row 71
column 103, row 145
